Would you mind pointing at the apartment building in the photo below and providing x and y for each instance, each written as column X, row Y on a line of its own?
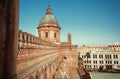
column 101, row 57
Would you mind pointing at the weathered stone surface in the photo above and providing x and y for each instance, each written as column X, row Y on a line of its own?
column 8, row 37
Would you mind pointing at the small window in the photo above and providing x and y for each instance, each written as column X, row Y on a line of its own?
column 117, row 62
column 116, row 56
column 39, row 35
column 110, row 56
column 102, row 62
column 46, row 34
column 23, row 37
column 54, row 35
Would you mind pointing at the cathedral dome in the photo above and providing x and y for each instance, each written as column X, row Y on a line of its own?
column 49, row 19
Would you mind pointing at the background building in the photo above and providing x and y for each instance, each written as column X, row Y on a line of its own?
column 101, row 57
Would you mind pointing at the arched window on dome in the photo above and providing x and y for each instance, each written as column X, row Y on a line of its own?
column 55, row 35
column 39, row 34
column 46, row 34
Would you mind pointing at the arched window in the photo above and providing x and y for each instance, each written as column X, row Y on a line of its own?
column 46, row 34
column 54, row 35
column 37, row 75
column 23, row 37
column 39, row 34
column 31, row 77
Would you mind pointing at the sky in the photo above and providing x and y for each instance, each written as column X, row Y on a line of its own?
column 90, row 22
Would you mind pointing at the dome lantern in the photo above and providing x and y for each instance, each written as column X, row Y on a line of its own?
column 49, row 10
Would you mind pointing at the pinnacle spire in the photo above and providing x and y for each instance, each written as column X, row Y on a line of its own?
column 69, row 37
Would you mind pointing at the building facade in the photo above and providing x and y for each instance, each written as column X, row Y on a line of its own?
column 101, row 57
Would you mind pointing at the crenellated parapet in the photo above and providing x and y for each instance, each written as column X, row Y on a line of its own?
column 27, row 40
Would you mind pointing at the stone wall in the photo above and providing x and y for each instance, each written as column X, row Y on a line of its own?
column 70, row 52
column 36, row 55
column 8, row 37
